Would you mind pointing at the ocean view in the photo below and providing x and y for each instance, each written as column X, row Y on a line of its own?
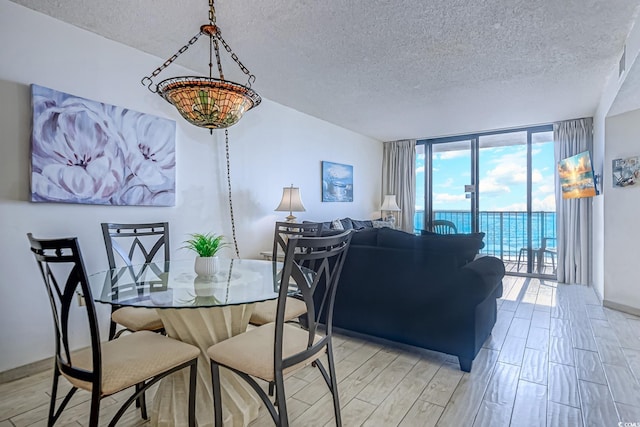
column 505, row 232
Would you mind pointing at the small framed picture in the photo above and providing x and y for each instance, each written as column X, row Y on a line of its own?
column 337, row 182
column 625, row 172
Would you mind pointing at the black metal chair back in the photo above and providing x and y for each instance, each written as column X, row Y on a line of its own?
column 64, row 275
column 324, row 257
column 131, row 244
column 442, row 226
column 144, row 243
column 63, row 271
column 286, row 230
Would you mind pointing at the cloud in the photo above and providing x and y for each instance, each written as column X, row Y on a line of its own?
column 447, row 184
column 445, row 197
column 515, row 207
column 491, row 186
column 547, row 204
column 420, row 169
column 445, row 155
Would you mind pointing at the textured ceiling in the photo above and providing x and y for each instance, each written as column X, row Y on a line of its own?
column 391, row 69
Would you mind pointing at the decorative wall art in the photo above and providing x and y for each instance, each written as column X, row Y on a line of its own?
column 626, row 172
column 337, row 182
column 576, row 176
column 84, row 151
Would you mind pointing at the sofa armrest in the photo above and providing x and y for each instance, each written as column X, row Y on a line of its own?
column 479, row 279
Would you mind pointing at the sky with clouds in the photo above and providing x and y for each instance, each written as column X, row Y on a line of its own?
column 503, row 178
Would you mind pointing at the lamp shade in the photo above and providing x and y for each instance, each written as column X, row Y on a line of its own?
column 291, row 202
column 389, row 203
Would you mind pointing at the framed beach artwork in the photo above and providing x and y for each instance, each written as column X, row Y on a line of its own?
column 87, row 152
column 626, row 172
column 337, row 182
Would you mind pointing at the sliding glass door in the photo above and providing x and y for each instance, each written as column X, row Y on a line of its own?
column 499, row 183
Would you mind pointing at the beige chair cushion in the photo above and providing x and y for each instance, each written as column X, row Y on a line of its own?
column 252, row 351
column 132, row 359
column 138, row 318
column 265, row 312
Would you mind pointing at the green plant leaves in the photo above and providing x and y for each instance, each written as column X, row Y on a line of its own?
column 205, row 245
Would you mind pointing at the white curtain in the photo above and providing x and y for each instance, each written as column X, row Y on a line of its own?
column 573, row 215
column 399, row 178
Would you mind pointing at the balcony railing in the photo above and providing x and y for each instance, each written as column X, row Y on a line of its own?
column 506, row 232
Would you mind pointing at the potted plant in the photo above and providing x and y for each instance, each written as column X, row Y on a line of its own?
column 207, row 247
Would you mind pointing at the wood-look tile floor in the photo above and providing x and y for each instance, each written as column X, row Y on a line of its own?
column 556, row 357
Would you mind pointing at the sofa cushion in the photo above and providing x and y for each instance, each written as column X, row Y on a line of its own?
column 464, row 246
column 390, row 238
column 365, row 237
column 358, row 225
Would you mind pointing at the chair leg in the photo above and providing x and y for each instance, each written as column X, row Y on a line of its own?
column 54, row 391
column 334, row 385
column 95, row 407
column 281, row 400
column 112, row 330
column 193, row 374
column 217, row 398
column 271, row 386
column 141, row 402
column 519, row 258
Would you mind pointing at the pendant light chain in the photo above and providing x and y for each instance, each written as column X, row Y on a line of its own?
column 233, row 222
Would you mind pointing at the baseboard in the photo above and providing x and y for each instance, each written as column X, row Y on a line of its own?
column 26, row 370
column 621, row 307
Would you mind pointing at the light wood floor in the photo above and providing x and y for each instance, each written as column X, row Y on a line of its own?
column 555, row 358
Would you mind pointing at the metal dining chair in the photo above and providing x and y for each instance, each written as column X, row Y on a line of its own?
column 270, row 351
column 128, row 245
column 265, row 312
column 137, row 360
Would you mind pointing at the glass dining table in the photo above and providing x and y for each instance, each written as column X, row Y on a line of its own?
column 200, row 311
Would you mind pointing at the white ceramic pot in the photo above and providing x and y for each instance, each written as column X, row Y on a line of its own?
column 206, row 266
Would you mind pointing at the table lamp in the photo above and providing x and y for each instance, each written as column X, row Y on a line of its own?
column 389, row 204
column 291, row 202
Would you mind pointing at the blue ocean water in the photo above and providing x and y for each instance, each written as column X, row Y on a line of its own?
column 505, row 232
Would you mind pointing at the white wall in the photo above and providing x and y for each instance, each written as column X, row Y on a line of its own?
column 606, row 281
column 272, row 147
column 622, row 270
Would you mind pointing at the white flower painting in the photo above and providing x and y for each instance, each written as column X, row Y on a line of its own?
column 84, row 151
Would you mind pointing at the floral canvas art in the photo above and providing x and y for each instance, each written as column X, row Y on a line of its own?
column 84, row 151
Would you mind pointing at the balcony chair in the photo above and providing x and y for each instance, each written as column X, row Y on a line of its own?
column 265, row 312
column 540, row 254
column 144, row 241
column 271, row 351
column 137, row 360
column 442, row 226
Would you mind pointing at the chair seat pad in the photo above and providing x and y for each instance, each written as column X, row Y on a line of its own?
column 138, row 318
column 265, row 312
column 252, row 351
column 132, row 359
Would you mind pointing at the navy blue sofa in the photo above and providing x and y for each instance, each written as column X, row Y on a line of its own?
column 428, row 291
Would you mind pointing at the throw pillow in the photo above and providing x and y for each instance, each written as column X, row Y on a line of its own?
column 381, row 224
column 357, row 224
column 336, row 225
column 346, row 224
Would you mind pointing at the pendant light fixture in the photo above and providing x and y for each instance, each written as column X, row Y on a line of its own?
column 212, row 103
column 209, row 102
